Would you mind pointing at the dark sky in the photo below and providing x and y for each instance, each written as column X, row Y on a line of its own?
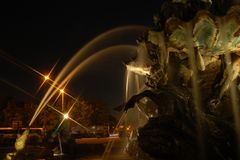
column 39, row 34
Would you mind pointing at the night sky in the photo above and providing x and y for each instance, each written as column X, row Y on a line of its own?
column 39, row 35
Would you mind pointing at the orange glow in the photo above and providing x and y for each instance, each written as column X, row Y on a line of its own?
column 46, row 77
column 121, row 126
column 61, row 90
column 128, row 128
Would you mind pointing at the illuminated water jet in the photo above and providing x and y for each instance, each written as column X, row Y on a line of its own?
column 139, row 70
column 21, row 140
column 195, row 65
column 93, row 46
column 177, row 67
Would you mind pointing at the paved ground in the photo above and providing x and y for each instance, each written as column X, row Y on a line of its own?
column 115, row 151
column 112, row 157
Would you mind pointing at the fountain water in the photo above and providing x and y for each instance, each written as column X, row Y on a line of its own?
column 180, row 62
column 93, row 51
column 185, row 56
column 101, row 42
column 195, row 90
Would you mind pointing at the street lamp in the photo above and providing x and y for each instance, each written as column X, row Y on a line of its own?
column 65, row 116
column 62, row 91
column 46, row 77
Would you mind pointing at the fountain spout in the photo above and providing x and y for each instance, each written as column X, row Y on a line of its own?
column 21, row 140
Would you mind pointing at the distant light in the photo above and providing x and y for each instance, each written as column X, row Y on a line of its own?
column 114, row 135
column 46, row 77
column 128, row 128
column 65, row 116
column 121, row 126
column 61, row 90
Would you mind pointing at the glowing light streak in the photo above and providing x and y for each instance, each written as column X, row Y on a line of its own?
column 46, row 77
column 55, row 109
column 67, row 118
column 76, row 100
column 64, row 115
column 62, row 100
column 79, row 124
column 56, row 98
column 16, row 87
column 59, row 125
